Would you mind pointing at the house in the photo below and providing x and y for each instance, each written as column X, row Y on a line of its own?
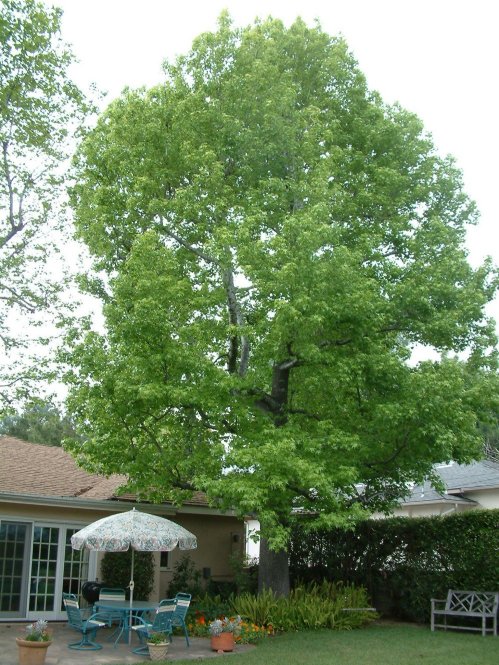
column 467, row 487
column 45, row 498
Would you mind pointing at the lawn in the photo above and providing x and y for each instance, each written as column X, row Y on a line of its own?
column 379, row 644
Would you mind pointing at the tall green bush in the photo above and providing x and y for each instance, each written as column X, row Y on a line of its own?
column 116, row 568
column 404, row 562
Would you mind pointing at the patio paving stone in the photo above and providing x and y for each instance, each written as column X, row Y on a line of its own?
column 59, row 653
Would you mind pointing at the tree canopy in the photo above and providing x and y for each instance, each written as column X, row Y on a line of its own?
column 271, row 240
column 40, row 421
column 39, row 106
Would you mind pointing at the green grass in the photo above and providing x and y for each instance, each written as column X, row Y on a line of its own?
column 379, row 644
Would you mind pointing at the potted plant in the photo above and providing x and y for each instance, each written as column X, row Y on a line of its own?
column 34, row 644
column 222, row 633
column 158, row 645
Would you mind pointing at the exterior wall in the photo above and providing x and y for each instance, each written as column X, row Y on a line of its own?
column 51, row 513
column 486, row 498
column 427, row 510
column 219, row 537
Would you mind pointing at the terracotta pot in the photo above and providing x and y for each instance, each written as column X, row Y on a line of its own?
column 158, row 651
column 222, row 642
column 32, row 653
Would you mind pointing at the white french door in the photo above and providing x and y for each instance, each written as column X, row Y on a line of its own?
column 37, row 563
column 55, row 567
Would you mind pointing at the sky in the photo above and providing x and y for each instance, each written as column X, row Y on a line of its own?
column 437, row 58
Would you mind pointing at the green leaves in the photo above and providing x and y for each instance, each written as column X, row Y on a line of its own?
column 39, row 109
column 277, row 240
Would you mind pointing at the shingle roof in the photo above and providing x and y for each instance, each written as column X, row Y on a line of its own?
column 425, row 493
column 32, row 468
column 457, row 479
column 49, row 471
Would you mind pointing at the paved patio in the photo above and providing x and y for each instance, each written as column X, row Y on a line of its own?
column 59, row 654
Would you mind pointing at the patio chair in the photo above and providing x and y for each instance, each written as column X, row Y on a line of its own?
column 87, row 627
column 115, row 616
column 162, row 623
column 112, row 594
column 183, row 600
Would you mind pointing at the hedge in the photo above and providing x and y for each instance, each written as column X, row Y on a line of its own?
column 403, row 562
column 116, row 568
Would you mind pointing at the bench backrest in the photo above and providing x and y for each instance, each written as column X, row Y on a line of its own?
column 472, row 601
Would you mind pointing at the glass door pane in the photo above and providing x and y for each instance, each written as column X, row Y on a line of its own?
column 14, row 538
column 75, row 567
column 43, row 569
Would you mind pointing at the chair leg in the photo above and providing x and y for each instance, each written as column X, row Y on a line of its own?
column 186, row 634
column 86, row 644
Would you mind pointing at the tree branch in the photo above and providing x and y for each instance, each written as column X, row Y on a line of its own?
column 191, row 248
column 235, row 315
column 393, row 456
column 20, row 300
column 302, row 412
column 14, row 228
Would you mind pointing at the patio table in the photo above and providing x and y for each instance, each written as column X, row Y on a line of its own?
column 124, row 607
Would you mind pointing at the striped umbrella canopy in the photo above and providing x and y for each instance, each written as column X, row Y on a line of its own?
column 140, row 531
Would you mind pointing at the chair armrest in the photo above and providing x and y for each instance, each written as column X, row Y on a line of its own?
column 98, row 619
column 138, row 622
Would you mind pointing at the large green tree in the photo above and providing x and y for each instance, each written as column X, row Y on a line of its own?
column 272, row 240
column 39, row 106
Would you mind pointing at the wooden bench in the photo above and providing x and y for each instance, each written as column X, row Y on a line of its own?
column 475, row 604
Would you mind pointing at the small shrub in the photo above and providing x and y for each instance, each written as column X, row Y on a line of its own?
column 157, row 638
column 186, row 578
column 307, row 608
column 209, row 608
column 251, row 633
column 257, row 609
column 245, row 575
column 225, row 625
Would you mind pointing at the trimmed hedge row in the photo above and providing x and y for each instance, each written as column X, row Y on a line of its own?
column 404, row 562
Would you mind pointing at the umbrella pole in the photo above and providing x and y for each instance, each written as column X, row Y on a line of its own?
column 131, row 585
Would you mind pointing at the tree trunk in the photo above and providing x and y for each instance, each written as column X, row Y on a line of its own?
column 273, row 571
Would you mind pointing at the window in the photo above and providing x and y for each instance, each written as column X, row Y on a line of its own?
column 164, row 561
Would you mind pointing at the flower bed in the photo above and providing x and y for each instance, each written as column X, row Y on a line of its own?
column 248, row 632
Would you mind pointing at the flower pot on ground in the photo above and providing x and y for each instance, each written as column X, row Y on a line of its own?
column 222, row 642
column 32, row 653
column 157, row 644
column 32, row 647
column 222, row 633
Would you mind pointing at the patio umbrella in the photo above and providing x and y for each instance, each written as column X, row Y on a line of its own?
column 140, row 531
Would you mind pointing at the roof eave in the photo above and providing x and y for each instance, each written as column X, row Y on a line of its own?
column 441, row 500
column 476, row 488
column 114, row 505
